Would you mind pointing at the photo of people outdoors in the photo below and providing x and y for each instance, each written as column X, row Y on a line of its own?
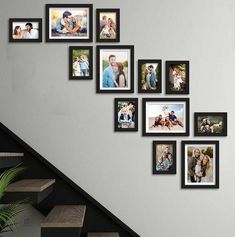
column 177, row 79
column 200, row 164
column 164, row 157
column 149, row 76
column 81, row 62
column 68, row 22
column 209, row 124
column 108, row 25
column 115, row 71
column 126, row 114
column 25, row 30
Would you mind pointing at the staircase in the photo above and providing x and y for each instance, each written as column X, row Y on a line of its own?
column 69, row 211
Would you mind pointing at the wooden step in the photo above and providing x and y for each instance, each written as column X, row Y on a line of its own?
column 35, row 190
column 10, row 159
column 30, row 185
column 104, row 234
column 65, row 216
column 64, row 221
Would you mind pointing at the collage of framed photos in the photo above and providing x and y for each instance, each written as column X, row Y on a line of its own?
column 161, row 117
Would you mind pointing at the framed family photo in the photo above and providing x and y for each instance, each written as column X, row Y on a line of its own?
column 164, row 157
column 200, row 164
column 126, row 114
column 107, row 25
column 177, row 77
column 165, row 117
column 80, row 62
column 210, row 124
column 115, row 68
column 69, row 22
column 25, row 30
column 150, row 76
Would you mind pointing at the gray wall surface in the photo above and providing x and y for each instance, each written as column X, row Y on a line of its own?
column 72, row 126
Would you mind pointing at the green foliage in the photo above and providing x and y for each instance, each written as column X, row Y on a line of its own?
column 78, row 53
column 10, row 211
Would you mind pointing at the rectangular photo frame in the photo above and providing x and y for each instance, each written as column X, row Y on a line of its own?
column 210, row 124
column 150, row 76
column 126, row 114
column 23, row 30
column 177, row 77
column 80, row 63
column 164, row 157
column 108, row 25
column 69, row 22
column 200, row 164
column 165, row 117
column 115, row 69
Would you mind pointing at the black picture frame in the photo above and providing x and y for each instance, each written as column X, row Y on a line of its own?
column 131, row 63
column 211, row 127
column 116, row 110
column 166, row 100
column 90, row 61
column 12, row 20
column 167, row 81
column 108, row 10
column 172, row 169
column 183, row 166
column 159, row 77
column 69, row 6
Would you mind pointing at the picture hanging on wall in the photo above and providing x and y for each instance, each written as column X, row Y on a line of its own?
column 80, row 62
column 115, row 68
column 108, row 25
column 177, row 77
column 69, row 22
column 150, row 76
column 200, row 164
column 164, row 157
column 165, row 117
column 210, row 124
column 126, row 114
column 25, row 30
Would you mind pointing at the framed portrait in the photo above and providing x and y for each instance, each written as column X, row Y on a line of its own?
column 25, row 30
column 177, row 77
column 107, row 25
column 126, row 114
column 200, row 164
column 150, row 76
column 210, row 124
column 164, row 157
column 80, row 62
column 69, row 22
column 115, row 68
column 165, row 117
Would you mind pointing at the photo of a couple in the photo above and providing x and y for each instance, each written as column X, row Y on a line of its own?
column 164, row 157
column 149, row 76
column 107, row 27
column 200, row 164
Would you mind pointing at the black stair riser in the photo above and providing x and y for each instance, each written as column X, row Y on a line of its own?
column 8, row 162
column 60, row 232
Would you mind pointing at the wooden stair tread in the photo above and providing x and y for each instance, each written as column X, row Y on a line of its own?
column 65, row 216
column 30, row 185
column 11, row 154
column 105, row 234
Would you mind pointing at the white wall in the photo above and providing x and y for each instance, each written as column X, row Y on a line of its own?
column 72, row 126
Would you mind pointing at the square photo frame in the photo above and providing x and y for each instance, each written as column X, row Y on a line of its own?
column 164, row 157
column 165, row 117
column 200, row 164
column 115, row 69
column 107, row 25
column 80, row 63
column 150, row 76
column 177, row 77
column 210, row 124
column 69, row 22
column 126, row 114
column 25, row 30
